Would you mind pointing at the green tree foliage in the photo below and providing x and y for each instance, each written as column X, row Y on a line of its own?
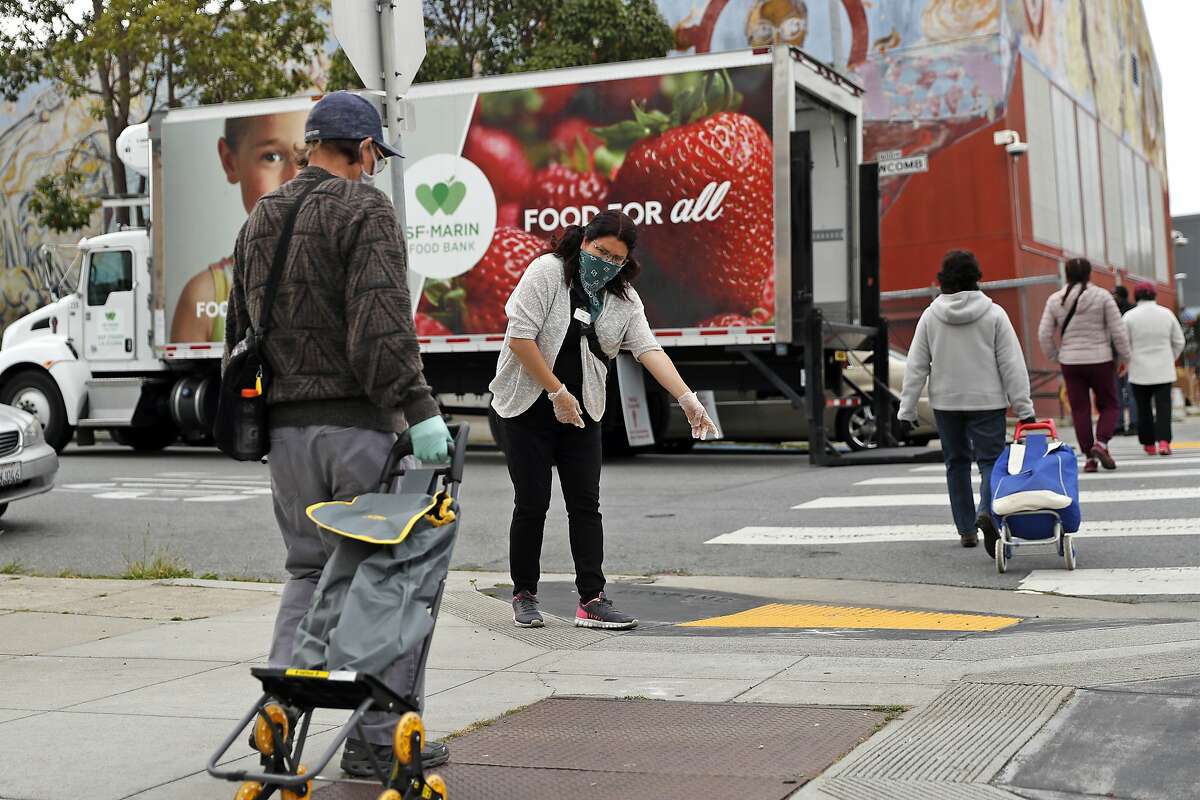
column 57, row 203
column 341, row 74
column 493, row 37
column 131, row 56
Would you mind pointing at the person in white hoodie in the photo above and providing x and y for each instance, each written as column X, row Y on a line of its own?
column 966, row 347
column 1155, row 342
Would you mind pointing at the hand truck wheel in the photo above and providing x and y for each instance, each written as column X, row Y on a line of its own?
column 1069, row 550
column 1002, row 553
column 250, row 790
column 272, row 718
column 438, row 784
column 409, row 724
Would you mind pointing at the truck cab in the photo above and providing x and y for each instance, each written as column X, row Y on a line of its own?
column 55, row 361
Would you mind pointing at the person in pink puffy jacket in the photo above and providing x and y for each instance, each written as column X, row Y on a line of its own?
column 1081, row 328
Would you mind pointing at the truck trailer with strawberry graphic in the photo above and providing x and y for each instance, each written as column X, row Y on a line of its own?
column 741, row 170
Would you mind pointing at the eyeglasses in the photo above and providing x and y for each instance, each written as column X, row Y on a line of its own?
column 604, row 254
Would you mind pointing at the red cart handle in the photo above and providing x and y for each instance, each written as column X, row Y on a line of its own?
column 1041, row 425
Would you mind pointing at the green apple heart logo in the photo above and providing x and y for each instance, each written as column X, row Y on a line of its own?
column 444, row 195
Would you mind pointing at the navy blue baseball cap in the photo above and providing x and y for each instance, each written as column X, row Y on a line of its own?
column 345, row 115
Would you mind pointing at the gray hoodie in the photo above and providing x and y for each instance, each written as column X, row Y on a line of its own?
column 967, row 349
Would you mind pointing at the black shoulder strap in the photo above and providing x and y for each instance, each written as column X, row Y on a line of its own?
column 281, row 253
column 1071, row 313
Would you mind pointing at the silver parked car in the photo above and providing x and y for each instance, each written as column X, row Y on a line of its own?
column 28, row 465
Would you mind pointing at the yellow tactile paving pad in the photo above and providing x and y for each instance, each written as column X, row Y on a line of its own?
column 809, row 615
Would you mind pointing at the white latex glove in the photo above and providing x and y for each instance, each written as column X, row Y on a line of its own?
column 702, row 425
column 566, row 407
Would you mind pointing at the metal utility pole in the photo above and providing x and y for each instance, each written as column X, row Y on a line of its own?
column 385, row 42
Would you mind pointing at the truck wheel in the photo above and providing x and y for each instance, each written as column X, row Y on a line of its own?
column 856, row 427
column 147, row 439
column 35, row 392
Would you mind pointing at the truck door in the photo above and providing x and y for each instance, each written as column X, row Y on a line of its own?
column 108, row 312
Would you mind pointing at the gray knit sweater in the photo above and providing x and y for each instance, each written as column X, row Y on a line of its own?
column 342, row 346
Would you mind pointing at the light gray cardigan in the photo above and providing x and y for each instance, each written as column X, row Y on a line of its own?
column 540, row 309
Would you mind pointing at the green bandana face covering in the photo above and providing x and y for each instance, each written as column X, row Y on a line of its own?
column 594, row 273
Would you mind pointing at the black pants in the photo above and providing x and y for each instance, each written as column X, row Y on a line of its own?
column 1153, row 412
column 533, row 443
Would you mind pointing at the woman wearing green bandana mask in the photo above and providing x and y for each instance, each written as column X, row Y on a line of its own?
column 573, row 310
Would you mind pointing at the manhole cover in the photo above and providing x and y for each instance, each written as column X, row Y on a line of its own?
column 598, row 748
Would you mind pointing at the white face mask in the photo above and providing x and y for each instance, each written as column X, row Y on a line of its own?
column 380, row 165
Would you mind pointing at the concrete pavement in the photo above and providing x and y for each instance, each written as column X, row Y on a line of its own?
column 121, row 689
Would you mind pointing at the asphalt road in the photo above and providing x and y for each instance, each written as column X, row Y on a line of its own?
column 113, row 507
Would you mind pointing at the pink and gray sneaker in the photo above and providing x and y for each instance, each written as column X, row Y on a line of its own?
column 599, row 613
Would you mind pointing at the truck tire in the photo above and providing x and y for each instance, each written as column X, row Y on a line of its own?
column 35, row 392
column 856, row 427
column 147, row 439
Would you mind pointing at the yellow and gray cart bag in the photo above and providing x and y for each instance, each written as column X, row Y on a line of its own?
column 364, row 641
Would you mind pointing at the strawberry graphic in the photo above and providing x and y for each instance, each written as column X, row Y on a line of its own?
column 728, row 321
column 500, row 156
column 554, row 99
column 509, row 214
column 571, row 132
column 765, row 310
column 618, row 95
column 562, row 186
column 491, row 281
column 428, row 326
column 673, row 159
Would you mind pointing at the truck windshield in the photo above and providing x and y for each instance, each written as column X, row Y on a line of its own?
column 111, row 271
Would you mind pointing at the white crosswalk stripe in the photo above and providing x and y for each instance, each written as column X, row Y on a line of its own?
column 1115, row 582
column 173, row 487
column 942, row 499
column 867, row 534
column 915, row 497
column 1143, row 461
column 1144, row 475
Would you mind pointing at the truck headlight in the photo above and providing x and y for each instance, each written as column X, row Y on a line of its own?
column 32, row 433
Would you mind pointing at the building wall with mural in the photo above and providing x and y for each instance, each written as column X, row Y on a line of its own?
column 39, row 134
column 1077, row 79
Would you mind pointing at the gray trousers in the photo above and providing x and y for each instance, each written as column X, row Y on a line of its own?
column 309, row 465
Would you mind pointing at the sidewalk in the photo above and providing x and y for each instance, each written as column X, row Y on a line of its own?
column 121, row 689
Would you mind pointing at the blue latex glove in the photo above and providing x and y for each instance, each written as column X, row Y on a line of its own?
column 431, row 440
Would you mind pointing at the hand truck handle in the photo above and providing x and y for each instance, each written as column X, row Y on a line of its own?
column 1041, row 425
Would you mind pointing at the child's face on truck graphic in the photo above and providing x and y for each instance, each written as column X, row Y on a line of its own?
column 258, row 153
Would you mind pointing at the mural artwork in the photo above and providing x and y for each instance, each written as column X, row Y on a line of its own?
column 39, row 135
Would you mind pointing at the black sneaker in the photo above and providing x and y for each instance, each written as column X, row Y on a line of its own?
column 968, row 539
column 599, row 613
column 990, row 534
column 525, row 610
column 357, row 764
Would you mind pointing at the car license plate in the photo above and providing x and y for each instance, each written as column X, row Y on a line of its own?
column 10, row 473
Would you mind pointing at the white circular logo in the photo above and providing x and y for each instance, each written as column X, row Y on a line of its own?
column 451, row 214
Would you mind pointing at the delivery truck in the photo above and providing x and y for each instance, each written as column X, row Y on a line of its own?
column 741, row 169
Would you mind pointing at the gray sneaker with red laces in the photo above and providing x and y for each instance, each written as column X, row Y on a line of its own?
column 599, row 613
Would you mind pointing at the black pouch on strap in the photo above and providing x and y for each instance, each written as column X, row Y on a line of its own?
column 579, row 301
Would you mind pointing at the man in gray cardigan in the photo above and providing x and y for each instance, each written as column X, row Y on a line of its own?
column 966, row 347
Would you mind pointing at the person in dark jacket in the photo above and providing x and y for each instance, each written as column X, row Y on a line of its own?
column 1127, row 420
column 347, row 372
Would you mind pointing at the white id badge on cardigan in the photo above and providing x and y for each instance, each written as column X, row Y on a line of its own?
column 583, row 316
